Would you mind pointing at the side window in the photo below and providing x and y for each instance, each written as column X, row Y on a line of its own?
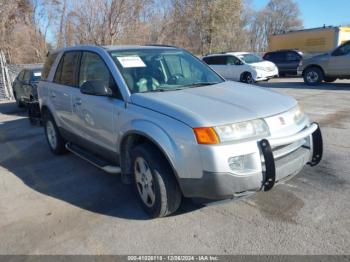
column 47, row 66
column 27, row 75
column 216, row 60
column 93, row 68
column 342, row 50
column 67, row 69
column 292, row 57
column 232, row 60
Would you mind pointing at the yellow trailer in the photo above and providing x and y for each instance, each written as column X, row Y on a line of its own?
column 315, row 40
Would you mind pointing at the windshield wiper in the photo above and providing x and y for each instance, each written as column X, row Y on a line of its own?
column 162, row 90
column 196, row 84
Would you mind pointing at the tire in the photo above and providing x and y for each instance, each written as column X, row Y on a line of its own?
column 18, row 101
column 154, row 181
column 313, row 76
column 54, row 139
column 247, row 78
column 330, row 79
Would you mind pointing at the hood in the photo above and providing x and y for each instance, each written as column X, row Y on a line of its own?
column 224, row 103
column 317, row 57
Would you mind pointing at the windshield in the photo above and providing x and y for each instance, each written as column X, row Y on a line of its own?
column 36, row 75
column 151, row 70
column 250, row 58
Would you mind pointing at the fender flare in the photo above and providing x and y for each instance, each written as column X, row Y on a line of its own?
column 156, row 134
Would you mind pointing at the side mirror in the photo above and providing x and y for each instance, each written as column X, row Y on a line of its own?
column 96, row 88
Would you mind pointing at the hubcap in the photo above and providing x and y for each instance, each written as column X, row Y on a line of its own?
column 144, row 182
column 51, row 134
column 312, row 77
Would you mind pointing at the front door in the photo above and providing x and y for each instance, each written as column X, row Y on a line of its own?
column 97, row 116
column 339, row 62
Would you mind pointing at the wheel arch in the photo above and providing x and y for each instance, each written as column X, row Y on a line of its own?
column 157, row 137
column 314, row 65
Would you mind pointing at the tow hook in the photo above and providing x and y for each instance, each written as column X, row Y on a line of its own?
column 317, row 143
column 270, row 169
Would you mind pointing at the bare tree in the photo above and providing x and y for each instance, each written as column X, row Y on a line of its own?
column 277, row 17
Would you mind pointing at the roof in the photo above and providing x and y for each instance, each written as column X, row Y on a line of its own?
column 114, row 47
column 228, row 53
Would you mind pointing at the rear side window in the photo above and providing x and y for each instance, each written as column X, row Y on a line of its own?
column 215, row 60
column 66, row 73
column 47, row 66
column 291, row 56
column 276, row 57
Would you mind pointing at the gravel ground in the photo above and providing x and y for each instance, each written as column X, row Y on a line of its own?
column 63, row 205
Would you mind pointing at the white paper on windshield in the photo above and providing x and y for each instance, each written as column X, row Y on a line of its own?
column 131, row 61
column 37, row 73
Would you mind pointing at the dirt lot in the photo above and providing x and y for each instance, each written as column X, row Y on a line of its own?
column 63, row 205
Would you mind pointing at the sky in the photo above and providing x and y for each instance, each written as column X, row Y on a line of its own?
column 316, row 13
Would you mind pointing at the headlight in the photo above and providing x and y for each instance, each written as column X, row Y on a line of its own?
column 244, row 130
column 259, row 68
column 298, row 114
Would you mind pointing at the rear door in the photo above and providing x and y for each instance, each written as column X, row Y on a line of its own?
column 292, row 62
column 279, row 59
column 339, row 62
column 26, row 89
column 65, row 83
column 17, row 84
column 97, row 116
column 218, row 64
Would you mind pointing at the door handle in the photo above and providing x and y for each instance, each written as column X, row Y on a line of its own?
column 53, row 95
column 78, row 102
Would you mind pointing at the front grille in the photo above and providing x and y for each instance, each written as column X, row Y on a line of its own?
column 284, row 150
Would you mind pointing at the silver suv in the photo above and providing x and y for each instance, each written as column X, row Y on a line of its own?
column 327, row 67
column 170, row 125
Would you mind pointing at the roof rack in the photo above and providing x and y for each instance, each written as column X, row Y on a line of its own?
column 161, row 45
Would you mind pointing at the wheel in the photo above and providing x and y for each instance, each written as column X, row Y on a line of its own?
column 18, row 101
column 330, row 79
column 154, row 181
column 313, row 76
column 54, row 139
column 247, row 78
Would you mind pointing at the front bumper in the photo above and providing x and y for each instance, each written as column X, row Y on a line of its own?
column 276, row 160
column 265, row 75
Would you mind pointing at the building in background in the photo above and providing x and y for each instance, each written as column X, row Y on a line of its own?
column 315, row 40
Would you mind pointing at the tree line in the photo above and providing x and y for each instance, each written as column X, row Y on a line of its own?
column 30, row 28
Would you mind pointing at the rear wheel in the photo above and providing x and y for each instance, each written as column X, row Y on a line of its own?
column 54, row 139
column 154, row 181
column 330, row 79
column 313, row 76
column 247, row 78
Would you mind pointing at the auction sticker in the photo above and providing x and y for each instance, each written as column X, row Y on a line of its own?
column 131, row 61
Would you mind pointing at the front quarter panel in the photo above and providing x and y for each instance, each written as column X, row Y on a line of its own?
column 173, row 137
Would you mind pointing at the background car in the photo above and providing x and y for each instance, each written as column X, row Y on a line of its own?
column 25, row 85
column 287, row 61
column 327, row 67
column 241, row 66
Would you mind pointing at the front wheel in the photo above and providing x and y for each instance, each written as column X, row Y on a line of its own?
column 313, row 76
column 154, row 181
column 247, row 78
